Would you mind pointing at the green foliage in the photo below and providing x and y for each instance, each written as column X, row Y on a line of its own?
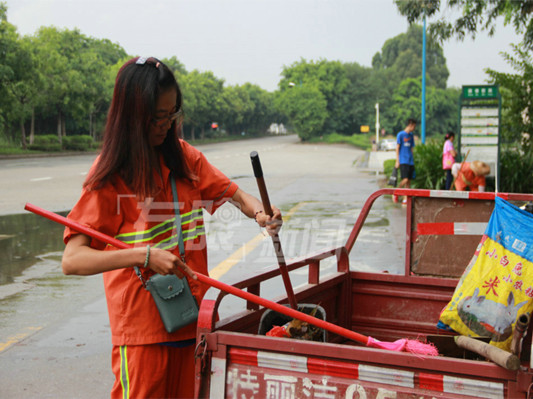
column 401, row 58
column 202, row 100
column 441, row 107
column 396, row 73
column 78, row 143
column 516, row 172
column 517, row 98
column 428, row 165
column 473, row 16
column 329, row 78
column 388, row 167
column 46, row 142
column 305, row 107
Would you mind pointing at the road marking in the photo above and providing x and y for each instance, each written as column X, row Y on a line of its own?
column 225, row 266
column 19, row 337
column 41, row 178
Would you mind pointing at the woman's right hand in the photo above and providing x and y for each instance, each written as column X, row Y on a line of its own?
column 165, row 262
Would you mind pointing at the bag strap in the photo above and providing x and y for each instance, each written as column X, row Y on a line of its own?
column 178, row 219
column 179, row 231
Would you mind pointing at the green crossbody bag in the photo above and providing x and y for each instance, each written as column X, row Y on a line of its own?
column 172, row 295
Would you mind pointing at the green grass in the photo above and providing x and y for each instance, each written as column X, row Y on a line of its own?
column 363, row 141
column 8, row 150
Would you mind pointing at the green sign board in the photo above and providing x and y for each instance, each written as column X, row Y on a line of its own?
column 480, row 92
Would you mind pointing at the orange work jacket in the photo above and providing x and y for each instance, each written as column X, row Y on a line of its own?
column 114, row 210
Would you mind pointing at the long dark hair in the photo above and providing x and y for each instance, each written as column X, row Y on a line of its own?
column 126, row 151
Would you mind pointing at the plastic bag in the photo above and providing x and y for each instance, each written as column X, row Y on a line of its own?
column 393, row 179
column 497, row 286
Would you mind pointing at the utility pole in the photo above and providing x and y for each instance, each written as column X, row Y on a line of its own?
column 423, row 122
column 377, row 125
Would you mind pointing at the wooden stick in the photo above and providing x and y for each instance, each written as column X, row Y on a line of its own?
column 258, row 172
column 502, row 358
column 519, row 332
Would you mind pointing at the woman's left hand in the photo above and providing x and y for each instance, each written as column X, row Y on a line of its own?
column 272, row 224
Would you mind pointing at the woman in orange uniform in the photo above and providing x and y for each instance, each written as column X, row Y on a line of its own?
column 471, row 176
column 128, row 195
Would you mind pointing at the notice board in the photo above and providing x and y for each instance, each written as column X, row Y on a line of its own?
column 479, row 122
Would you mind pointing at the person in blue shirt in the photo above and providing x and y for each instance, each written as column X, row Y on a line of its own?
column 405, row 141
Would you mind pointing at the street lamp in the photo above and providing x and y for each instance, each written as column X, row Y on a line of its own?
column 377, row 125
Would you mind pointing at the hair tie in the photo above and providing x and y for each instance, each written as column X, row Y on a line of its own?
column 141, row 60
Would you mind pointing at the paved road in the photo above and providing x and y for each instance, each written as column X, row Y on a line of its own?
column 54, row 335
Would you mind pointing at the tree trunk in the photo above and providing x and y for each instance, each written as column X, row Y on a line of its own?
column 192, row 133
column 202, row 133
column 59, row 128
column 91, row 125
column 63, row 126
column 32, row 125
column 23, row 134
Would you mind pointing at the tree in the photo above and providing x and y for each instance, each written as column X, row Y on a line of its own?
column 75, row 82
column 237, row 107
column 306, row 108
column 202, row 100
column 517, row 94
column 175, row 66
column 474, row 16
column 329, row 78
column 401, row 58
column 8, row 45
column 263, row 114
column 441, row 107
column 364, row 91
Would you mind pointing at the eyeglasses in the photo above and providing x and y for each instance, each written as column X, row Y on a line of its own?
column 170, row 118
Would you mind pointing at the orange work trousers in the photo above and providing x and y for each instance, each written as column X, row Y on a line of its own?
column 152, row 371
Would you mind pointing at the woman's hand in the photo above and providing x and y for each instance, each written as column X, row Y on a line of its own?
column 165, row 262
column 272, row 224
column 80, row 259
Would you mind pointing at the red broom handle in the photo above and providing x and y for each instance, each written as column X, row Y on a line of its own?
column 343, row 332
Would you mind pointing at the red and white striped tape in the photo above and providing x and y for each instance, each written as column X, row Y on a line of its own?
column 451, row 228
column 361, row 372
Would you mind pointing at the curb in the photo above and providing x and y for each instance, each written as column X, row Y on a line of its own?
column 47, row 155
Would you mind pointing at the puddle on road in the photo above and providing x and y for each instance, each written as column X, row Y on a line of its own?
column 26, row 239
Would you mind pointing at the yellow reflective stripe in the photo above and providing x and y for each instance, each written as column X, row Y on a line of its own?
column 200, row 233
column 134, row 233
column 124, row 374
column 147, row 238
column 173, row 244
column 172, row 241
column 152, row 233
column 193, row 219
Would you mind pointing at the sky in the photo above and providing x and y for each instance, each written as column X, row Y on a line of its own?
column 252, row 40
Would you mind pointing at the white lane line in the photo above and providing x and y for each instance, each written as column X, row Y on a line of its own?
column 41, row 178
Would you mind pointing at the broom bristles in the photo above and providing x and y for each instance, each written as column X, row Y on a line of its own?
column 405, row 345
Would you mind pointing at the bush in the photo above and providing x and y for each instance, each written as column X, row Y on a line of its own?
column 428, row 165
column 45, row 142
column 78, row 143
column 516, row 171
column 388, row 167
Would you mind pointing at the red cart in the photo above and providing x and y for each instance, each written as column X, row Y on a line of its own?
column 443, row 229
